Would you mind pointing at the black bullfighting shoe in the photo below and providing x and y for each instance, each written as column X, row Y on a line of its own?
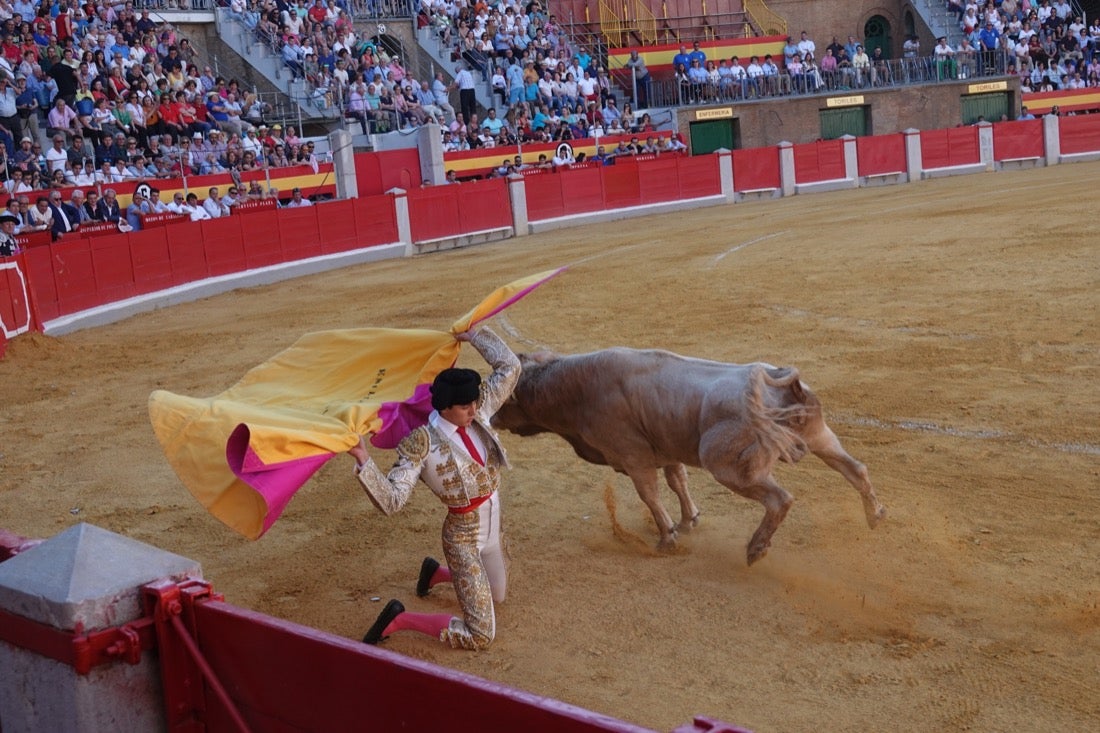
column 427, row 570
column 392, row 610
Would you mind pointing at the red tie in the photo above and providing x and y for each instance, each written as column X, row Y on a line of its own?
column 470, row 447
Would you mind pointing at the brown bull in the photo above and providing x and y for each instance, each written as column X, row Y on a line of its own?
column 638, row 411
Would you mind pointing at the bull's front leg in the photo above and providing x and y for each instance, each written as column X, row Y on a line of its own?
column 677, row 478
column 645, row 482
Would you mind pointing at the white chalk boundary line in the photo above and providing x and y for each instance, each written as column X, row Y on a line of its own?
column 731, row 250
column 926, row 426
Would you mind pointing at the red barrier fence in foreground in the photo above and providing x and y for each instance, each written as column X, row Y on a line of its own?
column 948, row 148
column 880, row 155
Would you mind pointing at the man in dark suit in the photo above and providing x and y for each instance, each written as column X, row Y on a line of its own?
column 108, row 208
column 65, row 218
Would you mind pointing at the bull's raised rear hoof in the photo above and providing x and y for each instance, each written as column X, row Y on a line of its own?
column 875, row 515
column 668, row 544
column 756, row 551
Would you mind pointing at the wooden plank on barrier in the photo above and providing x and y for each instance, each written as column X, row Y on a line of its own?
column 159, row 220
column 259, row 205
column 33, row 239
column 95, row 228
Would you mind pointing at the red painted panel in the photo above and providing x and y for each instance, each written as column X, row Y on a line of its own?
column 297, row 229
column 1079, row 134
column 260, row 238
column 322, row 682
column 621, row 187
column 223, row 242
column 336, row 226
column 484, row 205
column 582, row 190
column 434, row 212
column 658, row 180
column 377, row 173
column 375, row 220
column 75, row 275
column 756, row 168
column 544, row 197
column 151, row 261
column 113, row 267
column 43, row 282
column 880, row 154
column 699, row 175
column 951, row 147
column 819, row 161
column 1018, row 139
column 186, row 253
column 14, row 295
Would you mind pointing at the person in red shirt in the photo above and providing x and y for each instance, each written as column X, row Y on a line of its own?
column 63, row 25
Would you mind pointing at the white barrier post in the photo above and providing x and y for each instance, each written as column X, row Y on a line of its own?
column 725, row 173
column 343, row 164
column 88, row 579
column 851, row 159
column 786, row 168
column 1052, row 142
column 401, row 214
column 985, row 145
column 517, row 195
column 914, row 161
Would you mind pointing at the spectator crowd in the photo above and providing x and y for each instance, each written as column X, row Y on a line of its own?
column 99, row 93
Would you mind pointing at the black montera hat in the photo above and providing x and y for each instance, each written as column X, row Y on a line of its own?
column 455, row 387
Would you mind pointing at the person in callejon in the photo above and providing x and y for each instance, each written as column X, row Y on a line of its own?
column 460, row 458
column 8, row 245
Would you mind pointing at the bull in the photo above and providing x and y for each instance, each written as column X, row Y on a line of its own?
column 639, row 411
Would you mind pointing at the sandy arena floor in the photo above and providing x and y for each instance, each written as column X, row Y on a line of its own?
column 951, row 329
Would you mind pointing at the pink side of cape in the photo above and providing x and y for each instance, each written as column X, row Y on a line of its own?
column 276, row 483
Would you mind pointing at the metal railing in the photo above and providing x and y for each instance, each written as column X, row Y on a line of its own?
column 767, row 20
column 382, row 9
column 890, row 73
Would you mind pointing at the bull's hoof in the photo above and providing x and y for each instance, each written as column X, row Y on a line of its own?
column 667, row 544
column 756, row 553
column 687, row 526
column 873, row 518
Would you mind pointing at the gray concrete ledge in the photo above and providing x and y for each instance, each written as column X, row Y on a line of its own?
column 629, row 212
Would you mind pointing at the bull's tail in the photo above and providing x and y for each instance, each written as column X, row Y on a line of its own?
column 772, row 424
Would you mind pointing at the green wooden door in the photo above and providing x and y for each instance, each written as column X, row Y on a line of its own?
column 710, row 135
column 988, row 106
column 843, row 121
column 876, row 34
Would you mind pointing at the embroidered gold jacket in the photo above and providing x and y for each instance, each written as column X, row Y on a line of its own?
column 426, row 454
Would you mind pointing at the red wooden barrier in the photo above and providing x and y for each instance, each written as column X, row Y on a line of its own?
column 257, row 205
column 1079, row 134
column 33, row 239
column 150, row 256
column 699, row 175
column 621, row 185
column 434, row 212
column 484, row 205
column 659, row 179
column 1018, row 139
column 375, row 220
column 756, row 169
column 296, row 229
column 881, row 154
column 545, row 199
column 376, row 173
column 819, row 161
column 320, row 682
column 15, row 302
column 112, row 268
column 951, row 147
column 582, row 190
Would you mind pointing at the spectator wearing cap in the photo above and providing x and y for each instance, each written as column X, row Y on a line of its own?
column 26, row 103
column 297, row 201
column 8, row 224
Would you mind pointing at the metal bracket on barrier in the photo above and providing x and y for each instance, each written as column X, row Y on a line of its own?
column 81, row 651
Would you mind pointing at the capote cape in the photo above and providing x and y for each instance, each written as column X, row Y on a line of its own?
column 245, row 452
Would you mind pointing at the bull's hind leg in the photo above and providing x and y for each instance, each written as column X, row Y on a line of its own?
column 677, row 478
column 825, row 445
column 645, row 482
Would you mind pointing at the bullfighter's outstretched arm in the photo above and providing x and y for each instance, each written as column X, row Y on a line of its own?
column 506, row 369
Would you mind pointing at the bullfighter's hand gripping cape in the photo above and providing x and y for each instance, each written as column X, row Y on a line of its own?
column 245, row 452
